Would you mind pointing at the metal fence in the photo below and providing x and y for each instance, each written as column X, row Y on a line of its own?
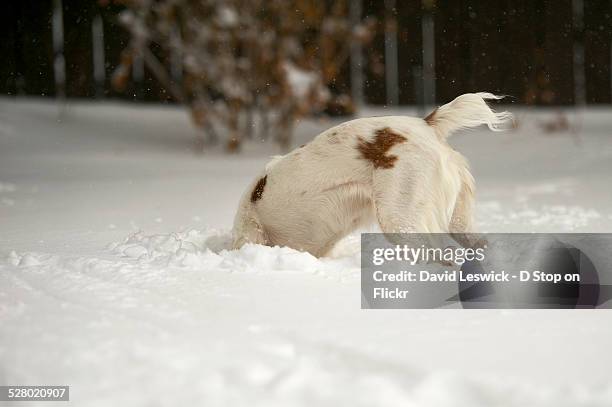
column 546, row 52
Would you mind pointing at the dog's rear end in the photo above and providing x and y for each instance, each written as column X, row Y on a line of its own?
column 397, row 170
column 465, row 111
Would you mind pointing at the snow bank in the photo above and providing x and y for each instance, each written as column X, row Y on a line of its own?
column 167, row 315
column 210, row 248
column 139, row 312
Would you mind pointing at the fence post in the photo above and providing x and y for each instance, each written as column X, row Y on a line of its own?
column 429, row 54
column 391, row 57
column 138, row 72
column 579, row 75
column 99, row 69
column 59, row 63
column 356, row 54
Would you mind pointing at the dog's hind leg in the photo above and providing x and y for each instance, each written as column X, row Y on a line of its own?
column 404, row 196
column 248, row 231
column 247, row 228
column 462, row 219
column 461, row 226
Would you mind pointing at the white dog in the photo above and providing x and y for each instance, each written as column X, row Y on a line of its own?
column 399, row 171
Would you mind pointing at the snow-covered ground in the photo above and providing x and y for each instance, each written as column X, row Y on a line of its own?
column 114, row 278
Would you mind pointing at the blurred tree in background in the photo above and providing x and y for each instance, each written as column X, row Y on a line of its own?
column 238, row 63
column 249, row 68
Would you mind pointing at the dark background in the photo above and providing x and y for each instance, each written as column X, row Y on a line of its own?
column 522, row 48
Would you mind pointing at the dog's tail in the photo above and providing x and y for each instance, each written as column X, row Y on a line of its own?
column 469, row 110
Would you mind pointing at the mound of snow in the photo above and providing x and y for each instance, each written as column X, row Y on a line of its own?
column 205, row 249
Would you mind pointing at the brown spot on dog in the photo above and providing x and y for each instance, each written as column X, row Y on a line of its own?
column 376, row 150
column 258, row 190
column 430, row 118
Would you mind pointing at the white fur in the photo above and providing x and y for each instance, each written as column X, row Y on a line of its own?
column 470, row 110
column 317, row 194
